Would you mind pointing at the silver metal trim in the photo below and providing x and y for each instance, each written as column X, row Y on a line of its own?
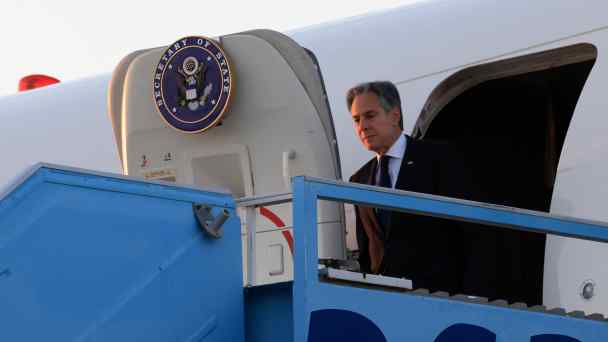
column 250, row 219
column 257, row 201
column 370, row 279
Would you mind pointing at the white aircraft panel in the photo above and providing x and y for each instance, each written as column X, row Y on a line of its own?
column 581, row 190
column 63, row 124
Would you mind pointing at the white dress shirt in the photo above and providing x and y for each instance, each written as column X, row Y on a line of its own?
column 396, row 152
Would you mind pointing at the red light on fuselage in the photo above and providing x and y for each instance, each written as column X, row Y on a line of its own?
column 36, row 81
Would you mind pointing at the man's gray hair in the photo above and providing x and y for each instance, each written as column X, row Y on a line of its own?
column 387, row 93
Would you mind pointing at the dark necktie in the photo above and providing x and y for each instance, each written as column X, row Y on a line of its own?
column 385, row 181
column 385, row 177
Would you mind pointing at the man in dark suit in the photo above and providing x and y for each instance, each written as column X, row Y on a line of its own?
column 432, row 252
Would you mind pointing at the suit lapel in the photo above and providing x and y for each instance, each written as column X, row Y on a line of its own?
column 402, row 177
column 415, row 174
column 408, row 160
column 416, row 169
column 370, row 177
column 365, row 175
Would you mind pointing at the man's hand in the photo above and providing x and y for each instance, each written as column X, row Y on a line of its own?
column 375, row 244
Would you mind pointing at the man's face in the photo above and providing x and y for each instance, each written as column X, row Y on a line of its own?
column 376, row 128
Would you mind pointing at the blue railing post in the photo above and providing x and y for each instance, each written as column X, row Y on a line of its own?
column 305, row 253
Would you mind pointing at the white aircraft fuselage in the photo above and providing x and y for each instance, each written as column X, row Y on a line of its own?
column 436, row 52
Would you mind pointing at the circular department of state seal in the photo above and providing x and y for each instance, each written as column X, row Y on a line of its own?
column 192, row 84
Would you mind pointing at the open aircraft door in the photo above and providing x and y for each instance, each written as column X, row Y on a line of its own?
column 276, row 124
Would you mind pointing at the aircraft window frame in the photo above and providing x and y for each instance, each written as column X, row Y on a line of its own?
column 465, row 79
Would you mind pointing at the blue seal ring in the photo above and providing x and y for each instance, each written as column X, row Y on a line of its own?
column 192, row 84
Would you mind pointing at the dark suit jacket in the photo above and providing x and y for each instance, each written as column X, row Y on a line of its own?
column 434, row 253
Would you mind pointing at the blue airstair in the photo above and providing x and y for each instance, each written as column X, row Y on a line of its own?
column 86, row 256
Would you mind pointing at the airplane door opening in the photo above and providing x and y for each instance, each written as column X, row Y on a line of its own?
column 509, row 119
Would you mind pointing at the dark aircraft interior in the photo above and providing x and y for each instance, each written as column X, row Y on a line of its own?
column 510, row 131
